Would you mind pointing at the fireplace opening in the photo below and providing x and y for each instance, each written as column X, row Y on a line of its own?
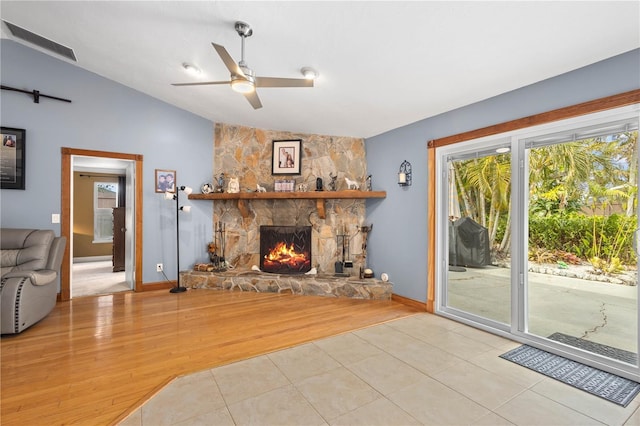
column 285, row 249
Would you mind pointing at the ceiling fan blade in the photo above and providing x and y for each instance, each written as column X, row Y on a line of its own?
column 253, row 99
column 201, row 83
column 232, row 66
column 283, row 82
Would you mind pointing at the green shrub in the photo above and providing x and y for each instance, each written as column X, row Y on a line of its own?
column 605, row 237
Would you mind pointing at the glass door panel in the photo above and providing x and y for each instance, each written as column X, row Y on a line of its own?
column 478, row 277
column 582, row 269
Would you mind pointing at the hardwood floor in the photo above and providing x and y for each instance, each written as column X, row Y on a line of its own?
column 94, row 359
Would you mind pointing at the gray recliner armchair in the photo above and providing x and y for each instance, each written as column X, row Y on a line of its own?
column 30, row 262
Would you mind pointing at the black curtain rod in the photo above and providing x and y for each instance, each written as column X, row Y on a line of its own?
column 35, row 93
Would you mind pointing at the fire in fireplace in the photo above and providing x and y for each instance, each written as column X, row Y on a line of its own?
column 285, row 249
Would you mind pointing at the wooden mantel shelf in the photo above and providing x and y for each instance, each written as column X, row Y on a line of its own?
column 319, row 196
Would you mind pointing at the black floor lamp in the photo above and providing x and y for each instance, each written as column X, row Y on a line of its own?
column 169, row 196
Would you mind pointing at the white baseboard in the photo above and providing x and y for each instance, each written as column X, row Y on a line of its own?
column 90, row 259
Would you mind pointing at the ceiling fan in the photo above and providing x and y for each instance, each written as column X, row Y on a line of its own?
column 243, row 79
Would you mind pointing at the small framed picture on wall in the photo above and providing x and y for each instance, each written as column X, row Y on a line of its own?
column 165, row 180
column 286, row 156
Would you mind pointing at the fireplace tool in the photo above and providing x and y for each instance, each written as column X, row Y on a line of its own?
column 365, row 230
column 219, row 241
column 342, row 243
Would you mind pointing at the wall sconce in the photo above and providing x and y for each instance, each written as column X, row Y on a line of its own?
column 169, row 196
column 404, row 174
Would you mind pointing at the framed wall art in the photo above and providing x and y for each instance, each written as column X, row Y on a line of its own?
column 12, row 158
column 286, row 155
column 165, row 180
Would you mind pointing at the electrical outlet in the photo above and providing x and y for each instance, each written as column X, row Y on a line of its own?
column 159, row 267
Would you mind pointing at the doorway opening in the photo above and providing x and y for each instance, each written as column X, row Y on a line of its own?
column 101, row 206
column 99, row 216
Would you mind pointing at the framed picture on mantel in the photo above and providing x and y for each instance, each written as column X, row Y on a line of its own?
column 285, row 157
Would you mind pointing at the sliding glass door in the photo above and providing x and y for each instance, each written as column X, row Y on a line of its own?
column 478, row 193
column 581, row 217
column 535, row 232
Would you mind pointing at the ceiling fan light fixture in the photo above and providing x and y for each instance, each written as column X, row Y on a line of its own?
column 191, row 69
column 243, row 80
column 242, row 86
column 309, row 73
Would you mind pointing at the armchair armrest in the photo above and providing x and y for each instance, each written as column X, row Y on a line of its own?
column 40, row 277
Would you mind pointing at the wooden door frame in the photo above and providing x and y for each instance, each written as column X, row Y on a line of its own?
column 66, row 225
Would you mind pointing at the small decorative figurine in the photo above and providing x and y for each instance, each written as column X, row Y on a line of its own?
column 234, row 186
column 220, row 186
column 206, row 188
column 319, row 184
column 260, row 188
column 332, row 184
column 368, row 183
column 303, row 187
column 352, row 184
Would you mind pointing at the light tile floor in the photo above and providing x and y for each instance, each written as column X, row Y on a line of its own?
column 423, row 369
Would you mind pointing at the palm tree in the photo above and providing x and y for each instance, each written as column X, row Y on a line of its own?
column 628, row 145
column 555, row 175
column 485, row 186
column 563, row 177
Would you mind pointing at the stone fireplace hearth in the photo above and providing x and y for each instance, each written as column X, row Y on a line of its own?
column 308, row 285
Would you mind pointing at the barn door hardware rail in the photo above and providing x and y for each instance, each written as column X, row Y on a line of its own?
column 35, row 93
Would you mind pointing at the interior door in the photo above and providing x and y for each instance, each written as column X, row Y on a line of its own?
column 133, row 257
column 119, row 229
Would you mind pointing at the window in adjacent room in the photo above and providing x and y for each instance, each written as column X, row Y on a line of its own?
column 105, row 198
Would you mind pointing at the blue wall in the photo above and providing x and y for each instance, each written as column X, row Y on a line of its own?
column 398, row 242
column 105, row 116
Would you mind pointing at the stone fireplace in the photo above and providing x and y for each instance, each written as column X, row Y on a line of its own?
column 285, row 249
column 246, row 153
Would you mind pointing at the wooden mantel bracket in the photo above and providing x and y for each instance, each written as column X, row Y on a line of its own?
column 244, row 209
column 35, row 93
column 320, row 208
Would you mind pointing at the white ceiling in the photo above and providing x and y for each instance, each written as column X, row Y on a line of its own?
column 105, row 165
column 382, row 64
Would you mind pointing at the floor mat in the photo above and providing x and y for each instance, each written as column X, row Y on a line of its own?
column 597, row 382
column 596, row 348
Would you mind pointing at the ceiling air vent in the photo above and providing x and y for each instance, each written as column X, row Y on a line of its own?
column 40, row 41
